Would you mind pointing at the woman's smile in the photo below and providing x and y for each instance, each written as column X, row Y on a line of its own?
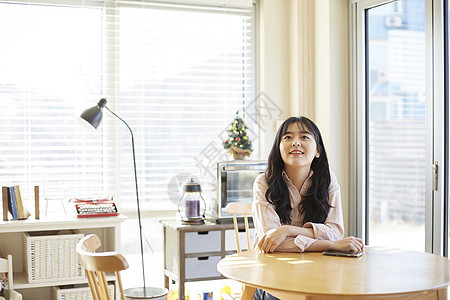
column 296, row 152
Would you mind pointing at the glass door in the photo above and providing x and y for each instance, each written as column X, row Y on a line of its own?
column 395, row 116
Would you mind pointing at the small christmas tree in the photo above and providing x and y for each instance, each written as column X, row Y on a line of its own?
column 238, row 144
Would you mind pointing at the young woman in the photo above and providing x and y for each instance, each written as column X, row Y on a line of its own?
column 297, row 201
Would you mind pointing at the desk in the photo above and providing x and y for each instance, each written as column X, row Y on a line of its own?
column 380, row 273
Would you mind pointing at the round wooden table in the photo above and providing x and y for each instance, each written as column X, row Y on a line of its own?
column 380, row 273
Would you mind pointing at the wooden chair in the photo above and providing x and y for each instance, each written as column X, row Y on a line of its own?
column 6, row 267
column 97, row 264
column 242, row 209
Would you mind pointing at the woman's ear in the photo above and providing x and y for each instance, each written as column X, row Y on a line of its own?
column 317, row 154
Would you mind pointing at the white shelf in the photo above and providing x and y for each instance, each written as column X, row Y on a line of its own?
column 11, row 242
column 59, row 222
column 20, row 281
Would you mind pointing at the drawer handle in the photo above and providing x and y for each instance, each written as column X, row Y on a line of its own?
column 203, row 232
column 203, row 258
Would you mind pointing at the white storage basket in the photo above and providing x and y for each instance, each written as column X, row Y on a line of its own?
column 76, row 292
column 51, row 255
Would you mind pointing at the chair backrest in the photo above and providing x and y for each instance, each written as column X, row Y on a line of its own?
column 96, row 264
column 240, row 209
column 6, row 266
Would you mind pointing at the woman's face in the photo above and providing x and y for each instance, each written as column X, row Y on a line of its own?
column 298, row 147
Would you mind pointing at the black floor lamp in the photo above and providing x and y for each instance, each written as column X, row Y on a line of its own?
column 94, row 116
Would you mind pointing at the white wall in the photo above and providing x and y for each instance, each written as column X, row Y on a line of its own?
column 331, row 100
column 332, row 87
column 273, row 63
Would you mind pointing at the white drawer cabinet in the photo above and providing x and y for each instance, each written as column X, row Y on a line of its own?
column 203, row 266
column 230, row 239
column 192, row 252
column 202, row 241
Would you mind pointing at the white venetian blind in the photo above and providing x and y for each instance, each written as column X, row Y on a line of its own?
column 175, row 73
column 49, row 63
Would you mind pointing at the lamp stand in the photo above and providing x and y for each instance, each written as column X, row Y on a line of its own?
column 137, row 193
column 93, row 116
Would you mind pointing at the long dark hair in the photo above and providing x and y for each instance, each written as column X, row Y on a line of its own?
column 314, row 204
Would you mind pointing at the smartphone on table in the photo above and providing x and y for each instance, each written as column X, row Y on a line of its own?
column 342, row 253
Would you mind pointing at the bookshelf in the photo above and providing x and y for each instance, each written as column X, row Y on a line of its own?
column 11, row 242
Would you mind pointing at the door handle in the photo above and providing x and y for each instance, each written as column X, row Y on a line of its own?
column 435, row 175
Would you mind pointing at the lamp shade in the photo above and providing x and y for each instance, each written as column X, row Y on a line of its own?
column 94, row 114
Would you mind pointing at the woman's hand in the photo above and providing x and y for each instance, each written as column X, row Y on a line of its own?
column 272, row 239
column 349, row 244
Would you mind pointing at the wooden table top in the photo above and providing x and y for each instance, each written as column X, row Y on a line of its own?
column 379, row 271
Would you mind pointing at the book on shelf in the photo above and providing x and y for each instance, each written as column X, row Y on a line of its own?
column 12, row 204
column 21, row 210
column 15, row 204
